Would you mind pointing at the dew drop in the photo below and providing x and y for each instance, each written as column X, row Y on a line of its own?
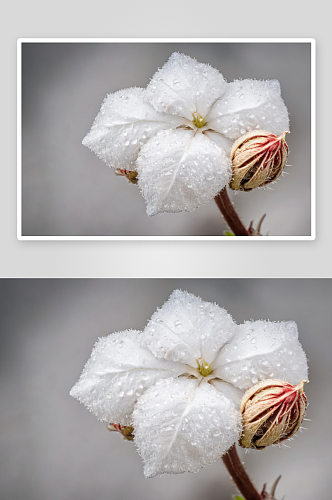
column 178, row 325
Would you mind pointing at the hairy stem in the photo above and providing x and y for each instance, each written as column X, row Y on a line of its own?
column 230, row 215
column 239, row 475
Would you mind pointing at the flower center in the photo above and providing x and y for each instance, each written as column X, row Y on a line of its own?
column 203, row 368
column 198, row 120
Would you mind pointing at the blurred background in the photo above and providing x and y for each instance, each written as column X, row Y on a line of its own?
column 68, row 191
column 54, row 449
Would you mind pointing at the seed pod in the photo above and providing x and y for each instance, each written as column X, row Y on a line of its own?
column 272, row 411
column 258, row 158
column 127, row 431
column 130, row 174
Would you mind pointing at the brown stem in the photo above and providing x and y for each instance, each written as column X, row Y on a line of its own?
column 230, row 215
column 240, row 477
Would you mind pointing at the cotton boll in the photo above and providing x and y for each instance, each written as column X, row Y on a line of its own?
column 178, row 385
column 177, row 134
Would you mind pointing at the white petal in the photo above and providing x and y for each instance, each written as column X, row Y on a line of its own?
column 187, row 328
column 229, row 391
column 248, row 105
column 178, row 171
column 124, row 123
column 183, row 86
column 261, row 350
column 223, row 142
column 118, row 372
column 181, row 427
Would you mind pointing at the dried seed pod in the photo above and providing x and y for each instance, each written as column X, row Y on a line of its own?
column 127, row 431
column 272, row 411
column 130, row 174
column 258, row 158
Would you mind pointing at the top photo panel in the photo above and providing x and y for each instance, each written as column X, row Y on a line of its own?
column 166, row 139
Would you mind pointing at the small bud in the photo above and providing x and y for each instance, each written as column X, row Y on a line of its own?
column 272, row 411
column 125, row 430
column 130, row 174
column 258, row 158
column 256, row 231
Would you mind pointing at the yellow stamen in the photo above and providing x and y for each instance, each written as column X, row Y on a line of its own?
column 203, row 368
column 198, row 120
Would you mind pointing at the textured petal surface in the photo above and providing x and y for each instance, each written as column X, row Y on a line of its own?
column 234, row 394
column 124, row 123
column 248, row 105
column 178, row 171
column 183, row 86
column 261, row 350
column 119, row 370
column 187, row 328
column 223, row 142
column 181, row 427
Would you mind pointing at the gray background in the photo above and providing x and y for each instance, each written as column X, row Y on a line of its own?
column 54, row 449
column 67, row 190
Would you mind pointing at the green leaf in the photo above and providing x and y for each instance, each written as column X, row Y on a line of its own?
column 238, row 498
column 229, row 233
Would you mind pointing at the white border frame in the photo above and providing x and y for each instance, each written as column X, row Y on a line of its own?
column 20, row 41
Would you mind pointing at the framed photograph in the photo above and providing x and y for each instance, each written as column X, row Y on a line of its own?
column 205, row 139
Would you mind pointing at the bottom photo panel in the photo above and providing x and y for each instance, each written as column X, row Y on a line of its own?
column 117, row 389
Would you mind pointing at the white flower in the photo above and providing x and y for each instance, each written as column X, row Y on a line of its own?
column 178, row 132
column 179, row 383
